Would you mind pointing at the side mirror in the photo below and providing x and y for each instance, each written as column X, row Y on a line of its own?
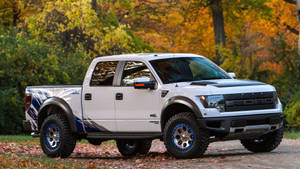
column 144, row 83
column 232, row 75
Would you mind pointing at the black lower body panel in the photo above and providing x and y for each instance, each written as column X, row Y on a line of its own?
column 222, row 125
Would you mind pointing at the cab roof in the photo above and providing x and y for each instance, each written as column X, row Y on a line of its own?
column 144, row 56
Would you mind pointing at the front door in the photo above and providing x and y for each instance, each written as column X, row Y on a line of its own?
column 98, row 99
column 138, row 109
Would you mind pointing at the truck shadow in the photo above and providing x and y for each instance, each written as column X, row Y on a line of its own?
column 163, row 155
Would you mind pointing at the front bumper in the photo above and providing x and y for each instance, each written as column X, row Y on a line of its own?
column 238, row 125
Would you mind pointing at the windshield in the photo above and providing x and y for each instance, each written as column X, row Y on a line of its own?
column 186, row 69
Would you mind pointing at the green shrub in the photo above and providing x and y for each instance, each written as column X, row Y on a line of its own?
column 25, row 60
column 292, row 112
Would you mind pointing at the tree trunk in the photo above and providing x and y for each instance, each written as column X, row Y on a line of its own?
column 94, row 4
column 96, row 8
column 16, row 13
column 218, row 21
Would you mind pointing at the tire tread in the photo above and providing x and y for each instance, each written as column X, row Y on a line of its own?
column 68, row 139
column 272, row 141
column 201, row 141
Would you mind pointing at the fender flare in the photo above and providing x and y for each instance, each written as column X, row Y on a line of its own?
column 67, row 111
column 183, row 101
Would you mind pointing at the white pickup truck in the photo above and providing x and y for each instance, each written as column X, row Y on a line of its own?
column 183, row 99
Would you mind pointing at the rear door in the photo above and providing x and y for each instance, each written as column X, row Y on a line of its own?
column 99, row 98
column 137, row 110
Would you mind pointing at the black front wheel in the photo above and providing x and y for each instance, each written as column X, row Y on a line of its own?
column 56, row 138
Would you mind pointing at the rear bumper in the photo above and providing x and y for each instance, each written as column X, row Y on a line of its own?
column 27, row 125
column 242, row 125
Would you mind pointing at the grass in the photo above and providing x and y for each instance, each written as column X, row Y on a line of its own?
column 18, row 138
column 292, row 135
column 20, row 161
column 28, row 138
column 23, row 138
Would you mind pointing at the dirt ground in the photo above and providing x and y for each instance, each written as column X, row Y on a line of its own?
column 225, row 155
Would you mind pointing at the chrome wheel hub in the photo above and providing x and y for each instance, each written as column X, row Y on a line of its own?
column 183, row 136
column 53, row 136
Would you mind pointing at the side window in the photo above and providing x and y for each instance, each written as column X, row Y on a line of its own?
column 134, row 69
column 103, row 74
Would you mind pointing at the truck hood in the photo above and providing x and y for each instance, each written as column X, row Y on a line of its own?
column 228, row 83
column 224, row 86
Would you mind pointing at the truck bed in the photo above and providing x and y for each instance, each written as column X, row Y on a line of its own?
column 39, row 94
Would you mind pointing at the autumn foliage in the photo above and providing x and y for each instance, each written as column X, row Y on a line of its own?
column 52, row 42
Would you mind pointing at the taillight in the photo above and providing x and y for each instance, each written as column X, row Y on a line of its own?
column 27, row 101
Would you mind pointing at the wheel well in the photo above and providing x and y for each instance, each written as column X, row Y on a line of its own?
column 171, row 110
column 47, row 111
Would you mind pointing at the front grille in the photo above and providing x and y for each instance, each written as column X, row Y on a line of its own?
column 250, row 101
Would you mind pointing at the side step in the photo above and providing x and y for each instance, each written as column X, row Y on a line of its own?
column 124, row 135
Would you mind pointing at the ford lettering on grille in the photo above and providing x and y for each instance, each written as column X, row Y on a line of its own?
column 249, row 101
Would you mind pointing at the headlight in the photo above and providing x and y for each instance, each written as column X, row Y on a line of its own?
column 214, row 101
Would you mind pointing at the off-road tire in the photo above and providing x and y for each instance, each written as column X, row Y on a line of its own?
column 94, row 141
column 67, row 139
column 265, row 143
column 200, row 136
column 129, row 147
column 143, row 146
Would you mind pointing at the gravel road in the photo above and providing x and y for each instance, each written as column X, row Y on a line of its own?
column 231, row 154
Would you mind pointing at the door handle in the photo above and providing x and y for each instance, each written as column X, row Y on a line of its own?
column 88, row 96
column 119, row 96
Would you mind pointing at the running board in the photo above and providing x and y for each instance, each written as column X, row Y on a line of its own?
column 124, row 135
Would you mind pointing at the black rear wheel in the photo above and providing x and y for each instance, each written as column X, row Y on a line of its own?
column 265, row 143
column 56, row 138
